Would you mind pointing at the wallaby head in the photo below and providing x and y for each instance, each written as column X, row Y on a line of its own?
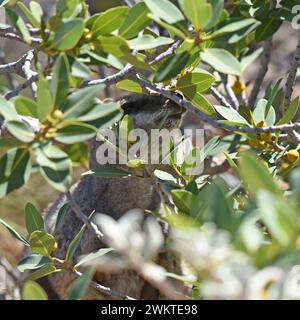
column 147, row 112
column 152, row 112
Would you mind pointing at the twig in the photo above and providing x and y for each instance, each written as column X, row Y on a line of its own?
column 294, row 137
column 220, row 98
column 129, row 70
column 163, row 287
column 189, row 106
column 290, row 83
column 26, row 68
column 81, row 216
column 105, row 290
column 266, row 58
column 14, row 67
column 230, row 94
column 21, row 87
column 217, row 169
column 9, row 34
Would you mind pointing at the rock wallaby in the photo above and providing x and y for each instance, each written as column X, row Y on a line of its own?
column 114, row 197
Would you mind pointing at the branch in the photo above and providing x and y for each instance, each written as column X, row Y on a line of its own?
column 21, row 87
column 217, row 169
column 26, row 68
column 129, row 70
column 9, row 33
column 81, row 216
column 105, row 290
column 291, row 80
column 230, row 94
column 220, row 98
column 14, row 67
column 204, row 117
column 266, row 58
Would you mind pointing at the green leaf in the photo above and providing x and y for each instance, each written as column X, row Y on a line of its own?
column 165, row 10
column 23, row 29
column 279, row 217
column 33, row 291
column 7, row 110
column 172, row 66
column 74, row 131
column 102, row 115
column 36, row 11
column 218, row 11
column 80, row 70
column 222, row 61
column 199, row 12
column 173, row 31
column 267, row 29
column 55, row 166
column 114, row 45
column 86, row 260
column 290, row 112
column 131, row 86
column 79, row 102
column 136, row 20
column 44, row 98
column 231, row 115
column 30, row 16
column 59, row 86
column 42, row 243
column 214, row 146
column 199, row 101
column 104, row 58
column 14, row 232
column 255, row 174
column 8, row 143
column 259, row 113
column 183, row 200
column 68, row 35
column 213, row 204
column 42, row 272
column 61, row 216
column 15, row 170
column 26, row 107
column 32, row 262
column 109, row 21
column 147, row 42
column 249, row 59
column 271, row 94
column 33, row 219
column 20, row 130
column 80, row 286
column 74, row 244
column 107, row 173
column 234, row 26
column 199, row 80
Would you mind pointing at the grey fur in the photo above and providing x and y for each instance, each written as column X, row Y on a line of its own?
column 112, row 196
